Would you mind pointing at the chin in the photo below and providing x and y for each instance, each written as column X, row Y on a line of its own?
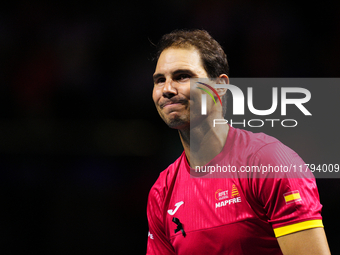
column 178, row 123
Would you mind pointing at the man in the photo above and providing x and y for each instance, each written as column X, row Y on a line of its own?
column 234, row 215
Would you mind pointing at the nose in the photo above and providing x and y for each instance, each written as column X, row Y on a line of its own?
column 169, row 90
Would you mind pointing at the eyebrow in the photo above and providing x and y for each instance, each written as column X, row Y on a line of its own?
column 178, row 71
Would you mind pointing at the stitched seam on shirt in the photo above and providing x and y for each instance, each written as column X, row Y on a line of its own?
column 201, row 229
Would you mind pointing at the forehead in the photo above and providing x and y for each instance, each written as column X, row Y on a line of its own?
column 179, row 58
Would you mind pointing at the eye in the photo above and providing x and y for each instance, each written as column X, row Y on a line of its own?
column 160, row 80
column 183, row 77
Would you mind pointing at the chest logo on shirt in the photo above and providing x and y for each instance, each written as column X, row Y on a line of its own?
column 220, row 194
column 172, row 212
column 223, row 195
column 234, row 191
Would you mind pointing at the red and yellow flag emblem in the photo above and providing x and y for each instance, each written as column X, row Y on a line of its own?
column 292, row 196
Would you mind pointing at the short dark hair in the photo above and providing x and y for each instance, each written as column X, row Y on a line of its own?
column 213, row 57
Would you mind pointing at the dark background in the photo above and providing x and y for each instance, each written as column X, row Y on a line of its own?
column 80, row 140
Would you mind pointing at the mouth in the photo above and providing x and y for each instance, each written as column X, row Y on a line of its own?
column 172, row 103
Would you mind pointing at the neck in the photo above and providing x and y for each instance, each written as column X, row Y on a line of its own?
column 203, row 142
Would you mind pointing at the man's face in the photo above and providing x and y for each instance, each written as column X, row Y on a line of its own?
column 171, row 92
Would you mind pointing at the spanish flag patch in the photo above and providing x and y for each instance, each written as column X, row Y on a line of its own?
column 292, row 196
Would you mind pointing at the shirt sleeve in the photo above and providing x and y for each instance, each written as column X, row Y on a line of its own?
column 287, row 192
column 158, row 243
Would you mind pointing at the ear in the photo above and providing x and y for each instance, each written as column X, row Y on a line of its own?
column 222, row 79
